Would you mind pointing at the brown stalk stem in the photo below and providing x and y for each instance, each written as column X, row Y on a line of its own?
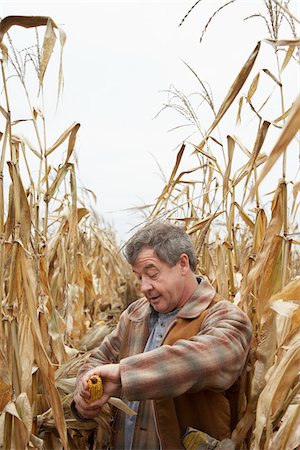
column 38, row 188
column 11, row 284
column 7, row 109
column 16, row 358
column 46, row 200
column 7, row 432
column 235, row 252
column 2, row 231
column 27, row 166
column 282, row 112
column 14, row 160
column 73, row 226
column 285, row 206
column 256, row 189
column 230, row 251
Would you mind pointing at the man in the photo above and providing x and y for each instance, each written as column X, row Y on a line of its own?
column 175, row 352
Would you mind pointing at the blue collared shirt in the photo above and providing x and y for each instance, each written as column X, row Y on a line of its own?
column 158, row 325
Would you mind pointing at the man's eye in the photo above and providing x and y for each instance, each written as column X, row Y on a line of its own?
column 153, row 276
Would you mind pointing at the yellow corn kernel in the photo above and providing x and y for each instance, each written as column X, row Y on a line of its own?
column 95, row 387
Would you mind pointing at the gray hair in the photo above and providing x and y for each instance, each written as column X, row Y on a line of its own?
column 168, row 242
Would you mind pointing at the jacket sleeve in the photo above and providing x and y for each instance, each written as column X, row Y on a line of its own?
column 108, row 351
column 213, row 359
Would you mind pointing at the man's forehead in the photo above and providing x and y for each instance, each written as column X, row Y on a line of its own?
column 147, row 259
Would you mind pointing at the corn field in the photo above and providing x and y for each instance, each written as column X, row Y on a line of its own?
column 64, row 281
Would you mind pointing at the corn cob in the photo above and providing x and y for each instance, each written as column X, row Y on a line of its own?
column 95, row 387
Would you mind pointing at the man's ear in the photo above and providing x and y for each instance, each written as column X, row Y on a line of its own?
column 184, row 263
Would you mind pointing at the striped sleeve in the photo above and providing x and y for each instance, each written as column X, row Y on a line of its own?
column 108, row 351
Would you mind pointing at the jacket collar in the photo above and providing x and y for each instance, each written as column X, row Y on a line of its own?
column 199, row 300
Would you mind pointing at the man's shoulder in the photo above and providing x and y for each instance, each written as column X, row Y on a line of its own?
column 227, row 310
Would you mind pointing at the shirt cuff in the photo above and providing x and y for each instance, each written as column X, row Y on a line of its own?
column 76, row 413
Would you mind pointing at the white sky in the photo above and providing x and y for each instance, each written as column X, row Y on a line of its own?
column 119, row 59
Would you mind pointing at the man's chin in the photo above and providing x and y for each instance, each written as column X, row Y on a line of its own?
column 156, row 303
column 159, row 306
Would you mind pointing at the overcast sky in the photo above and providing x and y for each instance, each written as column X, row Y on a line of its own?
column 120, row 59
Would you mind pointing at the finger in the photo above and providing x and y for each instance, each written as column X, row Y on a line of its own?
column 83, row 390
column 91, row 372
column 96, row 408
column 102, row 400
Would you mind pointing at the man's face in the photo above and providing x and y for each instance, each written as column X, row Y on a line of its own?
column 162, row 285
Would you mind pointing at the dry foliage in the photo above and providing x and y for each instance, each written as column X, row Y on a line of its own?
column 63, row 281
column 64, row 285
column 248, row 248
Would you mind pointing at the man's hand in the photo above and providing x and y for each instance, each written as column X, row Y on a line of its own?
column 110, row 374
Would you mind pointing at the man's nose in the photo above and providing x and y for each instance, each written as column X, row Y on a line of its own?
column 146, row 285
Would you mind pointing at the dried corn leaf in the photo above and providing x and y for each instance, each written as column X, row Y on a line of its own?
column 288, row 435
column 253, row 87
column 26, row 344
column 202, row 223
column 166, row 189
column 239, row 113
column 271, row 277
column 259, row 229
column 267, row 72
column 11, row 409
column 288, row 133
column 118, row 403
column 25, row 140
column 49, row 39
column 206, row 196
column 287, row 58
column 81, row 213
column 221, row 273
column 56, row 328
column 282, row 42
column 277, row 387
column 69, row 132
column 285, row 311
column 95, row 335
column 260, row 139
column 245, row 170
column 274, row 228
column 296, row 189
column 22, row 213
column 23, row 21
column 245, row 216
column 283, row 116
column 230, row 148
column 265, row 357
column 4, row 112
column 5, row 381
column 61, row 173
column 47, row 49
column 72, row 140
column 23, row 426
column 233, row 92
column 62, row 39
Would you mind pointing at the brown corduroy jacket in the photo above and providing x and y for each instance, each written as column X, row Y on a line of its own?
column 212, row 412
